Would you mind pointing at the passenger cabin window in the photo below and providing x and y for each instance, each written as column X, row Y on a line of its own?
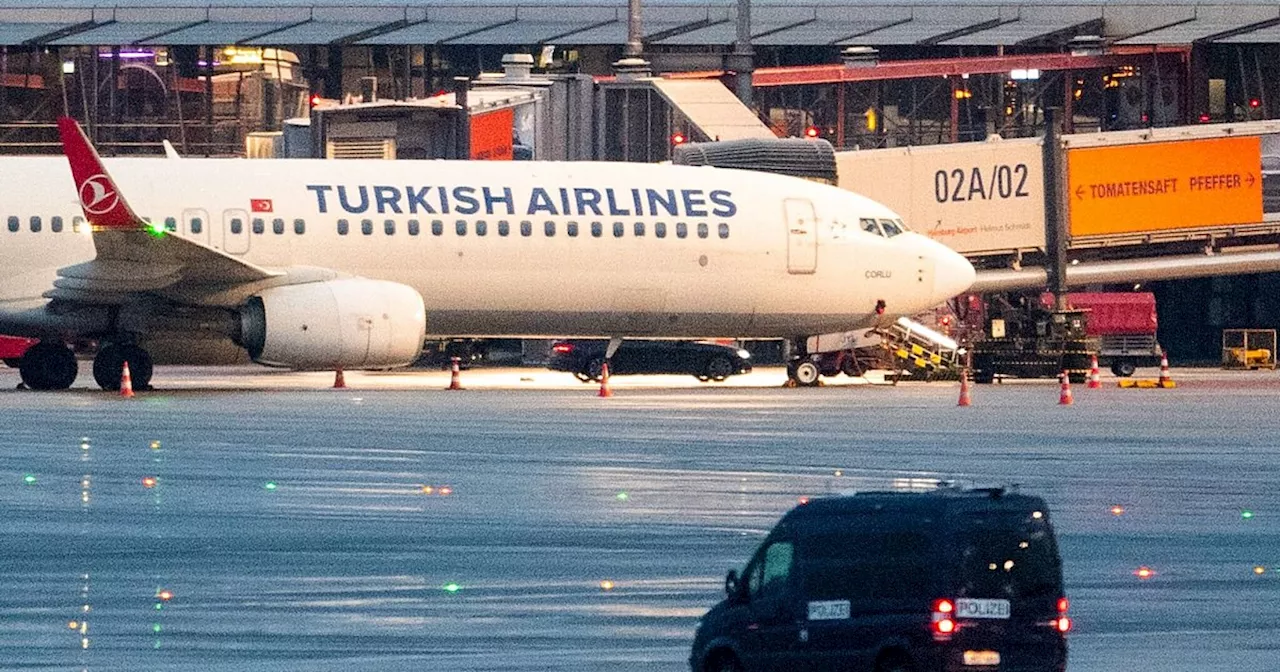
column 55, row 224
column 277, row 226
column 724, row 230
column 549, row 228
column 526, row 228
column 343, row 227
column 299, row 226
column 870, row 226
column 504, row 228
column 571, row 229
column 237, row 225
column 389, row 227
column 259, row 225
column 170, row 224
column 366, row 227
column 14, row 224
column 682, row 230
column 77, row 222
column 891, row 229
column 702, row 230
column 197, row 225
column 482, row 228
column 35, row 224
column 639, row 229
column 619, row 229
column 460, row 227
column 660, row 229
column 437, row 227
column 414, row 227
column 597, row 229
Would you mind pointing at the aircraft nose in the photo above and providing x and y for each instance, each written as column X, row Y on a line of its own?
column 953, row 274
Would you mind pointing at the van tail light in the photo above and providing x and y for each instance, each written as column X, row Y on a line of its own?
column 1063, row 622
column 562, row 348
column 943, row 623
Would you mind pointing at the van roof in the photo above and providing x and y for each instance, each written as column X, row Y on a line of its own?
column 933, row 500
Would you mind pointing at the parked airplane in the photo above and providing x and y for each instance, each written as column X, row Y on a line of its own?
column 315, row 264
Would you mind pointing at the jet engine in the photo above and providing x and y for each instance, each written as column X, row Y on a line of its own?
column 348, row 323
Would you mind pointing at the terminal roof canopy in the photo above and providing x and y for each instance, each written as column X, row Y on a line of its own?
column 711, row 23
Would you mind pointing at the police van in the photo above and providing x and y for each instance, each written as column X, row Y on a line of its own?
column 939, row 581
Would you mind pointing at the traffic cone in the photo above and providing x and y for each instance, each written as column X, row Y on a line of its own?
column 605, row 390
column 455, row 374
column 964, row 389
column 339, row 381
column 1095, row 378
column 126, row 381
column 1165, row 379
column 1065, row 398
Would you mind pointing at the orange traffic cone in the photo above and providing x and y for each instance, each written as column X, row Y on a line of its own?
column 126, row 381
column 964, row 389
column 339, row 381
column 455, row 374
column 1095, row 378
column 1165, row 379
column 1065, row 398
column 605, row 390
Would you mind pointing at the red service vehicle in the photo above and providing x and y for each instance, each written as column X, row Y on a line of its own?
column 12, row 348
column 1124, row 323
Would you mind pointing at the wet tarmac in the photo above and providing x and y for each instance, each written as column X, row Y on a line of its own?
column 526, row 524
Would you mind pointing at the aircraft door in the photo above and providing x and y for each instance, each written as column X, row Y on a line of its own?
column 802, row 236
column 235, row 231
column 195, row 224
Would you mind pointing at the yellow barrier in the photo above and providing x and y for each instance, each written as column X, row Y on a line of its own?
column 1127, row 383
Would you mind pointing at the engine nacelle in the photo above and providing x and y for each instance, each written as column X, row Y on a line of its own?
column 350, row 323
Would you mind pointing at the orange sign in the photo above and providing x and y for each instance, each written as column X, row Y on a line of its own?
column 1164, row 185
column 491, row 135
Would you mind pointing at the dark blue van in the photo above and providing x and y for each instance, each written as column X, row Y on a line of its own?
column 940, row 581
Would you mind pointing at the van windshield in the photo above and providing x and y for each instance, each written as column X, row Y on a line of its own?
column 1007, row 555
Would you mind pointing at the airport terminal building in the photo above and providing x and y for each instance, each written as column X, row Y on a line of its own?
column 577, row 79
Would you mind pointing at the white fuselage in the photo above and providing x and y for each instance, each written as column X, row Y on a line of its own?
column 781, row 257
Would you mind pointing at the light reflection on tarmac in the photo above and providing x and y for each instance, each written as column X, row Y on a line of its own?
column 393, row 525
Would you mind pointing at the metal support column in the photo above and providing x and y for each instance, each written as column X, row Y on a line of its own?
column 1055, row 234
column 742, row 61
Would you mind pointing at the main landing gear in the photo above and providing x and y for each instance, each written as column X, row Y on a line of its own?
column 49, row 365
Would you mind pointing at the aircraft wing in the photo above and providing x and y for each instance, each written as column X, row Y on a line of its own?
column 133, row 256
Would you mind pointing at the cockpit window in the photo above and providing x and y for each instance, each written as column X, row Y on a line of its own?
column 902, row 225
column 891, row 227
column 870, row 226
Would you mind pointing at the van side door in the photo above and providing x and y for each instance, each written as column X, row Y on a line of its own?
column 772, row 626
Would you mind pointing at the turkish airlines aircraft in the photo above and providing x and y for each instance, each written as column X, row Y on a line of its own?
column 316, row 264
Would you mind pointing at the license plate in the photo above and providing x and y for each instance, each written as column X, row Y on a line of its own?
column 973, row 608
column 982, row 658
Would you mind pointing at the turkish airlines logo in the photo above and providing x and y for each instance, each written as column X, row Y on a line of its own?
column 97, row 195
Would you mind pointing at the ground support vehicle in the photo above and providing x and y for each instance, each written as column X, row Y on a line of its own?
column 942, row 580
column 903, row 345
column 1030, row 341
column 1124, row 324
column 12, row 348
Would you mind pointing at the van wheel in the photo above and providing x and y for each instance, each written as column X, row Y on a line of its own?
column 894, row 661
column 724, row 663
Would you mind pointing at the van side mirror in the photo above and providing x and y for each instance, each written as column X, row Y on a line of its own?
column 732, row 588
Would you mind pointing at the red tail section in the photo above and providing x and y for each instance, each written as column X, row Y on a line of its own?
column 99, row 197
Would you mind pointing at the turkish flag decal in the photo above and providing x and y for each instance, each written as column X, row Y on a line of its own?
column 260, row 204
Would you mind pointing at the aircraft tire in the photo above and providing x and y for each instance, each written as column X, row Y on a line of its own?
column 806, row 373
column 48, row 366
column 107, row 366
